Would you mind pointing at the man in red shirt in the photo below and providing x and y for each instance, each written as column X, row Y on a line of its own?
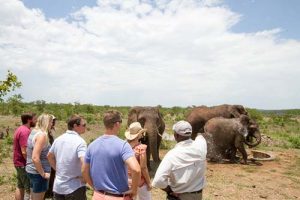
column 20, row 143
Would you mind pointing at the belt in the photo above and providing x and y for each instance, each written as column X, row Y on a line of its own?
column 195, row 192
column 112, row 194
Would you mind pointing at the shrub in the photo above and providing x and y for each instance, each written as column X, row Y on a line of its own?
column 255, row 114
column 295, row 141
column 167, row 144
column 9, row 140
column 2, row 180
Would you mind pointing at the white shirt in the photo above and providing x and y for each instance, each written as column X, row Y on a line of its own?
column 68, row 148
column 183, row 167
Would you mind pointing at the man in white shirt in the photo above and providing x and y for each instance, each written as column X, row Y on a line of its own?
column 66, row 156
column 182, row 171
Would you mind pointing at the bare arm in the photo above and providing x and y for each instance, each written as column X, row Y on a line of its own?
column 82, row 163
column 52, row 160
column 24, row 152
column 144, row 169
column 86, row 173
column 135, row 168
column 40, row 142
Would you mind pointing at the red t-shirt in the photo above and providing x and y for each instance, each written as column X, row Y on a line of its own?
column 20, row 140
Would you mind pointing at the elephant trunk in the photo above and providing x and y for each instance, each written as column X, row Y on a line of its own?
column 152, row 133
column 257, row 137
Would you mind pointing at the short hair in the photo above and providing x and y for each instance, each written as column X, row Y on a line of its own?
column 27, row 116
column 74, row 119
column 111, row 117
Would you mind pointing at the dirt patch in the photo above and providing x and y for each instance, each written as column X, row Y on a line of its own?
column 278, row 179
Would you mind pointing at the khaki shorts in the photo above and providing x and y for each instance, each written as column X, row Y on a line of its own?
column 101, row 196
column 22, row 179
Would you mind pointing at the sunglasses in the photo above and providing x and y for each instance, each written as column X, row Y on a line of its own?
column 83, row 125
column 120, row 121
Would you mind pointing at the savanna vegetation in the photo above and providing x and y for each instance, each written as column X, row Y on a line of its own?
column 280, row 129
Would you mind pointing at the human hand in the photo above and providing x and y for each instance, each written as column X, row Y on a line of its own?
column 46, row 175
column 81, row 179
column 131, row 193
column 149, row 187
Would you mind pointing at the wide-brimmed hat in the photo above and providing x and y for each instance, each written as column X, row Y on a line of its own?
column 134, row 130
column 53, row 117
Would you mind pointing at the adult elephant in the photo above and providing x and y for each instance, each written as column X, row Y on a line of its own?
column 226, row 136
column 150, row 119
column 198, row 116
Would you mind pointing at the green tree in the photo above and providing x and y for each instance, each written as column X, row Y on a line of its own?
column 8, row 85
column 40, row 104
column 15, row 103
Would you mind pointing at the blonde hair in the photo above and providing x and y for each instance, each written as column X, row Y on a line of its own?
column 44, row 121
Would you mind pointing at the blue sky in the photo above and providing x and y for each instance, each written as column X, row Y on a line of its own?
column 162, row 52
column 58, row 8
column 268, row 14
column 256, row 14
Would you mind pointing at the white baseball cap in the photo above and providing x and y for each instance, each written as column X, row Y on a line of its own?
column 183, row 128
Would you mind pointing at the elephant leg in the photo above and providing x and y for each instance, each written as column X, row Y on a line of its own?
column 233, row 158
column 239, row 144
column 217, row 155
column 148, row 158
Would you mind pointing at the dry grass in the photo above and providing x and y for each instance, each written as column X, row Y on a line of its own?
column 278, row 179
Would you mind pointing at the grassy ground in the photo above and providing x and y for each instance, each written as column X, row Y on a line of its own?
column 278, row 179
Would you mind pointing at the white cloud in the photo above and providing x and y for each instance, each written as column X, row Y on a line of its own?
column 164, row 52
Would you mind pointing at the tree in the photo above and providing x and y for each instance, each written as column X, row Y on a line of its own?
column 8, row 85
column 15, row 103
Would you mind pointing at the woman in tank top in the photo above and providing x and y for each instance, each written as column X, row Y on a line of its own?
column 133, row 134
column 37, row 165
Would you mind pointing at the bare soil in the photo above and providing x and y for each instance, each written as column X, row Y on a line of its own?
column 277, row 179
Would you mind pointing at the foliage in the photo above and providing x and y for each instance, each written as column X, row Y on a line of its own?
column 15, row 104
column 255, row 114
column 2, row 180
column 5, row 147
column 278, row 125
column 167, row 144
column 8, row 85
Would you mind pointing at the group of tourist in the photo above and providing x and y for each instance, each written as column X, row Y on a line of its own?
column 112, row 167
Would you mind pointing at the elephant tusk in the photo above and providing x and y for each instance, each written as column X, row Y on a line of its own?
column 160, row 135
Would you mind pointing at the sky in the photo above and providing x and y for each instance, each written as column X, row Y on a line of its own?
column 148, row 53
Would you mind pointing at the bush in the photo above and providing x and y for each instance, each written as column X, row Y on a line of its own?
column 255, row 114
column 2, row 180
column 4, row 150
column 295, row 141
column 167, row 144
column 9, row 140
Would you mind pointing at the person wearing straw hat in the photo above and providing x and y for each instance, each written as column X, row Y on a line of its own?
column 133, row 135
column 182, row 171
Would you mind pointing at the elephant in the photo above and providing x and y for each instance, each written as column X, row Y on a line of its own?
column 198, row 116
column 226, row 136
column 151, row 119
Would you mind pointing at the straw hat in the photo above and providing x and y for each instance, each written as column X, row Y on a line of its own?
column 134, row 130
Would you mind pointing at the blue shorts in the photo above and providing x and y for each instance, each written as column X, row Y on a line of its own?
column 38, row 183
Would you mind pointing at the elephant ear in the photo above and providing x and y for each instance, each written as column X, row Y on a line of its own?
column 236, row 111
column 241, row 109
column 133, row 115
column 245, row 120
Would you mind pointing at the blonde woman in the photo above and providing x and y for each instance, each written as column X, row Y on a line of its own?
column 37, row 166
column 133, row 134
